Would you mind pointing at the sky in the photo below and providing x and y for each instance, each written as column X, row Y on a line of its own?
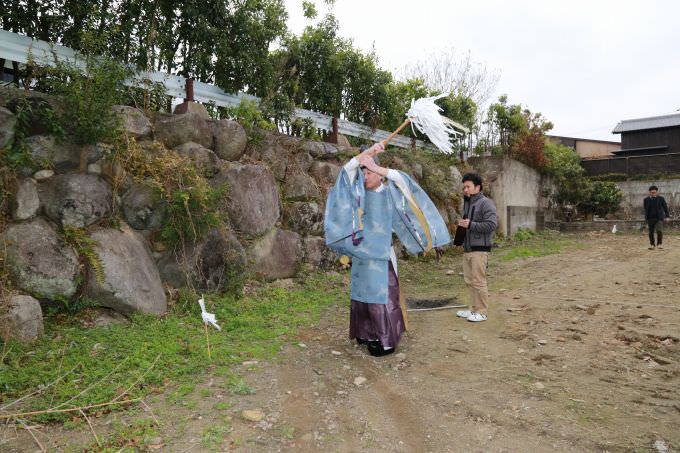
column 585, row 65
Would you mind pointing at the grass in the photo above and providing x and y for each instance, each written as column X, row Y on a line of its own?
column 73, row 366
column 526, row 244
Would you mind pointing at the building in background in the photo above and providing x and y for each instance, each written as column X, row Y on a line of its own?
column 585, row 147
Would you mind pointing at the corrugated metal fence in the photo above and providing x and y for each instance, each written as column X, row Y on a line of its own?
column 15, row 47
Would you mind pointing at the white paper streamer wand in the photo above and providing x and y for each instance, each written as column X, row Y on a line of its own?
column 208, row 318
column 424, row 115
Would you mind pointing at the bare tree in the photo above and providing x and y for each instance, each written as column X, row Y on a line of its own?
column 445, row 71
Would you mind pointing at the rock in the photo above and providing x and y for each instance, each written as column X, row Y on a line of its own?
column 23, row 320
column 45, row 150
column 26, row 200
column 131, row 280
column 304, row 218
column 215, row 263
column 450, row 272
column 538, row 386
column 43, row 174
column 542, row 342
column 90, row 154
column 284, row 283
column 254, row 415
column 318, row 149
column 275, row 255
column 76, row 199
column 317, row 254
column 39, row 262
column 133, row 120
column 454, row 174
column 105, row 317
column 301, row 187
column 192, row 107
column 95, row 168
column 142, row 208
column 302, row 161
column 252, row 202
column 417, row 171
column 359, row 380
column 400, row 356
column 205, row 160
column 439, row 185
column 336, row 353
column 274, row 152
column 188, row 127
column 7, row 123
column 325, row 173
column 230, row 139
column 343, row 142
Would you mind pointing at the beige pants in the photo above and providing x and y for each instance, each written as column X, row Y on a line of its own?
column 474, row 272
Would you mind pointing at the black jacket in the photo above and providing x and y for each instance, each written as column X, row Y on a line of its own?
column 658, row 210
column 483, row 222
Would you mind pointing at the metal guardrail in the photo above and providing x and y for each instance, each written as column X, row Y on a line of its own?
column 15, row 47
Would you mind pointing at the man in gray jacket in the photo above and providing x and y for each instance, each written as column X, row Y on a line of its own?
column 480, row 221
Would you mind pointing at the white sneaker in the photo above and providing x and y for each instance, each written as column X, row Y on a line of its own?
column 463, row 313
column 659, row 247
column 476, row 317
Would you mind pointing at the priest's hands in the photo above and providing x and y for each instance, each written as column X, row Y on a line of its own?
column 367, row 161
column 374, row 150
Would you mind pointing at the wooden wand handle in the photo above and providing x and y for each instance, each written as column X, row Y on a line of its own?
column 393, row 134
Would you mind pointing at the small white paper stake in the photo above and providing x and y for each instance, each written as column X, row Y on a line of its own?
column 208, row 318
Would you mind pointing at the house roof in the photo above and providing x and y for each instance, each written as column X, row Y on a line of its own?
column 652, row 122
column 609, row 142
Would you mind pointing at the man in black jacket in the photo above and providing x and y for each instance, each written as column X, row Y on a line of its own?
column 480, row 221
column 656, row 211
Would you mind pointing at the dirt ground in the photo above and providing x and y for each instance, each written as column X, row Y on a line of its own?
column 581, row 353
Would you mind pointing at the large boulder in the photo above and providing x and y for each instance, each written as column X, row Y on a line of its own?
column 319, row 149
column 204, row 159
column 26, row 200
column 252, row 201
column 7, row 122
column 230, row 139
column 317, row 254
column 215, row 263
column 39, row 262
column 301, row 187
column 131, row 280
column 275, row 255
column 325, row 173
column 274, row 151
column 143, row 208
column 133, row 120
column 302, row 161
column 45, row 150
column 304, row 218
column 188, row 127
column 76, row 199
column 439, row 184
column 23, row 320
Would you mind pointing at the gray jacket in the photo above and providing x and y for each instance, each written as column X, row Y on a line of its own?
column 483, row 222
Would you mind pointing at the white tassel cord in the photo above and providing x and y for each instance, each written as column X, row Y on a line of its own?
column 424, row 116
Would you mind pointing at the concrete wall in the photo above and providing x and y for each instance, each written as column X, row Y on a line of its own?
column 517, row 191
column 608, row 225
column 635, row 191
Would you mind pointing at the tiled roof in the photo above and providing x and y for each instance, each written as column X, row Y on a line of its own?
column 653, row 122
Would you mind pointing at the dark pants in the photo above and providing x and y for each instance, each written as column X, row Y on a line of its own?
column 655, row 224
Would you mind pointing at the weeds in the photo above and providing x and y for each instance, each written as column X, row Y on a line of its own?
column 107, row 360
